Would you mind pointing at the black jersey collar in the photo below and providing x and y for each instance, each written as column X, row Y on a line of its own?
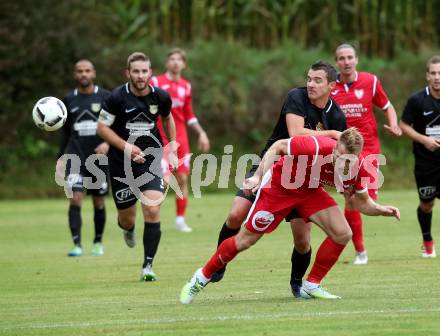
column 127, row 88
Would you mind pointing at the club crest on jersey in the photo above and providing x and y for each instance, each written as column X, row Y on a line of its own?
column 359, row 93
column 154, row 109
column 262, row 219
column 96, row 107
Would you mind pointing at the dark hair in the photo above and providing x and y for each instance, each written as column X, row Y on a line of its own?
column 178, row 51
column 432, row 60
column 85, row 60
column 137, row 56
column 327, row 68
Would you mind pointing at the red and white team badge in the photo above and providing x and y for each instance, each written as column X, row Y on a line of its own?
column 359, row 93
column 262, row 219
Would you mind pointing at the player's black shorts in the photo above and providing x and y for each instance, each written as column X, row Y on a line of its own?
column 126, row 188
column 292, row 215
column 94, row 182
column 428, row 182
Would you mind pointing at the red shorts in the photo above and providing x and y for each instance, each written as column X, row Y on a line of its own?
column 274, row 203
column 184, row 156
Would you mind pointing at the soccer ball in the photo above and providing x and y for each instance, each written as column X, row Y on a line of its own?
column 49, row 114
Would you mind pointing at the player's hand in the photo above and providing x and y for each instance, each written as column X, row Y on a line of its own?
column 391, row 211
column 431, row 144
column 60, row 168
column 134, row 153
column 203, row 142
column 173, row 160
column 394, row 130
column 102, row 148
column 335, row 134
column 251, row 185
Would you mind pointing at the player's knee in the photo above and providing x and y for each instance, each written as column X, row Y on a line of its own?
column 235, row 219
column 302, row 244
column 126, row 221
column 152, row 211
column 427, row 206
column 76, row 200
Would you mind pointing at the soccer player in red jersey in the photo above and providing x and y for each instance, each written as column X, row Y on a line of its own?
column 181, row 95
column 357, row 93
column 296, row 182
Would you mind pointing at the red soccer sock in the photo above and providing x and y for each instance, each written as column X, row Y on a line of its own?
column 429, row 246
column 354, row 219
column 327, row 255
column 224, row 254
column 181, row 204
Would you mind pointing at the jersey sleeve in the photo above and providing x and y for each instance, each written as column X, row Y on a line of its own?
column 188, row 112
column 110, row 110
column 409, row 112
column 165, row 104
column 380, row 98
column 302, row 145
column 154, row 81
column 293, row 104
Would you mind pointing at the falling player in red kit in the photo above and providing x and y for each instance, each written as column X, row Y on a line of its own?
column 296, row 182
column 181, row 95
column 357, row 93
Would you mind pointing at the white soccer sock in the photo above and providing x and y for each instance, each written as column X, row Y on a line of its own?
column 310, row 285
column 180, row 220
column 202, row 278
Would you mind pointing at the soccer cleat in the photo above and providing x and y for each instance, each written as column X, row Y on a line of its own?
column 148, row 274
column 97, row 249
column 75, row 252
column 192, row 288
column 129, row 238
column 218, row 276
column 298, row 292
column 361, row 258
column 428, row 250
column 318, row 293
column 183, row 227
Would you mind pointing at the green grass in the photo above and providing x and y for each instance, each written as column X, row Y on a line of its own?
column 43, row 292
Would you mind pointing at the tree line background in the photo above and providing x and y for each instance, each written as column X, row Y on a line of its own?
column 244, row 55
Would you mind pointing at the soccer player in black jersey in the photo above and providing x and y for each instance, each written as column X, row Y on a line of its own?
column 306, row 111
column 128, row 122
column 421, row 123
column 78, row 138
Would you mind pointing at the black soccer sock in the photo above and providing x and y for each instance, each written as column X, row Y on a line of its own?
column 425, row 219
column 226, row 233
column 75, row 223
column 99, row 220
column 300, row 263
column 151, row 239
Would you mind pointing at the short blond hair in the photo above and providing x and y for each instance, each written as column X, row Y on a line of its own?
column 137, row 56
column 352, row 140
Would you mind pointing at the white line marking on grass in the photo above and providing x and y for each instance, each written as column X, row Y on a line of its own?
column 245, row 317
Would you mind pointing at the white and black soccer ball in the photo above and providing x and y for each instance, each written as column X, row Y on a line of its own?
column 49, row 114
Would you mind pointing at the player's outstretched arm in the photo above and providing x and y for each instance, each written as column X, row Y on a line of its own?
column 370, row 208
column 278, row 148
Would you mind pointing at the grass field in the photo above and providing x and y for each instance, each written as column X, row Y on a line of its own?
column 43, row 292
